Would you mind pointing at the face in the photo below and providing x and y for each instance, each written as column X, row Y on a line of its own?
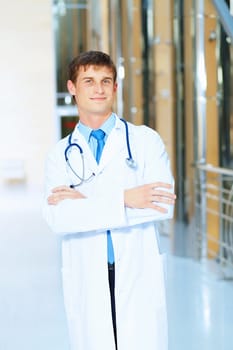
column 94, row 92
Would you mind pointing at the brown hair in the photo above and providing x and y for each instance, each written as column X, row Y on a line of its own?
column 90, row 58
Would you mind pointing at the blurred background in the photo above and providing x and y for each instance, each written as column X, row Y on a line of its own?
column 174, row 60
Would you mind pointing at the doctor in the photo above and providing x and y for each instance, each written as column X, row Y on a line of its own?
column 107, row 186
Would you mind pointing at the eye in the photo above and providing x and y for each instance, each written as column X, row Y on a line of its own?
column 88, row 81
column 107, row 81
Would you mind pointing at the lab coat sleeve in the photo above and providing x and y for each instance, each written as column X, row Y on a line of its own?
column 79, row 215
column 156, row 166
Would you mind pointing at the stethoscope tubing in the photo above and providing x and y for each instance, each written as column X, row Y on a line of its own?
column 129, row 161
column 127, row 138
column 70, row 145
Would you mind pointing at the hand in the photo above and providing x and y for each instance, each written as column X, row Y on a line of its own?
column 63, row 192
column 149, row 196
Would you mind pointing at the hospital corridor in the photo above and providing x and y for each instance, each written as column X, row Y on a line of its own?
column 164, row 99
column 200, row 303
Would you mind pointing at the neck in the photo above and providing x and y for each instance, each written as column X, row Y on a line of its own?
column 94, row 121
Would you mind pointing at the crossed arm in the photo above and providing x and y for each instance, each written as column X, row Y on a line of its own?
column 145, row 196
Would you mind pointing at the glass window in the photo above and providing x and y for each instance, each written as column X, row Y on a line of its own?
column 70, row 19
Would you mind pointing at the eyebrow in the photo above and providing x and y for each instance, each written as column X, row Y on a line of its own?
column 110, row 78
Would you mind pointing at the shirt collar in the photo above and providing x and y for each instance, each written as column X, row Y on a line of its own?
column 107, row 127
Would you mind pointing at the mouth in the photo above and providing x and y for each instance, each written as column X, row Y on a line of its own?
column 98, row 98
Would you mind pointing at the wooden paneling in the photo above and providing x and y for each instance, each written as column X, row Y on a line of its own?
column 164, row 75
column 212, row 132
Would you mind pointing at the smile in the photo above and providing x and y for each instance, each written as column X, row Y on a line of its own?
column 98, row 99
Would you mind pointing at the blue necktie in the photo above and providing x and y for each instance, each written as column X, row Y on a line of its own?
column 99, row 136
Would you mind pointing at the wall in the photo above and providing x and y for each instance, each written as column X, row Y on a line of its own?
column 26, row 90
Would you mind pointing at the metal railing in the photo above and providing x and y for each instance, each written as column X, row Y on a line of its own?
column 225, row 16
column 214, row 214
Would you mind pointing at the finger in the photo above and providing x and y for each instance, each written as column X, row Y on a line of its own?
column 61, row 189
column 158, row 208
column 165, row 200
column 164, row 194
column 52, row 200
column 161, row 184
column 56, row 196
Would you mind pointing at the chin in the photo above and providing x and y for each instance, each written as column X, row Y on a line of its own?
column 102, row 111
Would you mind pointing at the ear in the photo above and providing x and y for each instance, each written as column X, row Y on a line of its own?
column 71, row 87
column 115, row 87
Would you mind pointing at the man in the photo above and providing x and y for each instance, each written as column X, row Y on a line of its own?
column 107, row 184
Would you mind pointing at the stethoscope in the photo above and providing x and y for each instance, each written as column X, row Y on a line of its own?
column 131, row 163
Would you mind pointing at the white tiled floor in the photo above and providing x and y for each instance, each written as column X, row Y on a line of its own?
column 200, row 307
column 200, row 304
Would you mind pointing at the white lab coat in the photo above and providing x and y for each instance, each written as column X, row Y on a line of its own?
column 139, row 276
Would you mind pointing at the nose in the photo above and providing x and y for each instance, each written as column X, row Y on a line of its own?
column 99, row 88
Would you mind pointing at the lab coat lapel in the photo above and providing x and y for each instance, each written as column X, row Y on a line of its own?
column 116, row 141
column 89, row 159
column 114, row 144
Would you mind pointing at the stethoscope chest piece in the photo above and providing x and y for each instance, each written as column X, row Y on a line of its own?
column 131, row 163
